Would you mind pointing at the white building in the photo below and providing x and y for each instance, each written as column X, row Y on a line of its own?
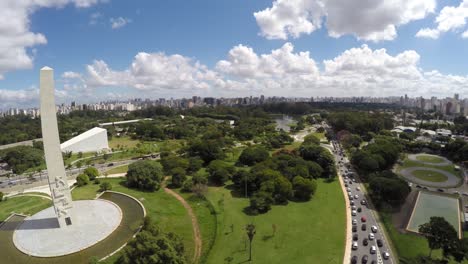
column 93, row 140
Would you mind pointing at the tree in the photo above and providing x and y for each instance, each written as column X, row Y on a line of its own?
column 92, row 172
column 439, row 233
column 178, row 177
column 389, row 190
column 304, row 188
column 311, row 139
column 220, row 172
column 171, row 161
column 82, row 180
column 250, row 228
column 261, row 202
column 252, row 155
column 105, row 186
column 195, row 164
column 22, row 158
column 144, row 175
column 152, row 245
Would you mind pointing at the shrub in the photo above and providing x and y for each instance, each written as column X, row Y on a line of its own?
column 97, row 181
column 261, row 202
column 105, row 186
column 187, row 186
column 91, row 172
column 1, row 196
column 82, row 180
column 178, row 177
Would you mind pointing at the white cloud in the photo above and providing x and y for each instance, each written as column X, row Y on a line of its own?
column 153, row 71
column 16, row 38
column 367, row 20
column 450, row 18
column 94, row 18
column 359, row 71
column 119, row 22
column 18, row 98
column 71, row 75
column 465, row 34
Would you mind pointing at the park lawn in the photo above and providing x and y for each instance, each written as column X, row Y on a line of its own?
column 119, row 169
column 206, row 217
column 320, row 136
column 308, row 232
column 293, row 145
column 27, row 205
column 429, row 158
column 432, row 176
column 408, row 245
column 167, row 211
column 122, row 142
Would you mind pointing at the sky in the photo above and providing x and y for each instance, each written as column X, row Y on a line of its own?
column 117, row 49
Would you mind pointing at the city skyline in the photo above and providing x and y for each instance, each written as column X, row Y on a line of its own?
column 111, row 49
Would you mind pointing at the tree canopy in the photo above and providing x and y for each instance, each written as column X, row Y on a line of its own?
column 145, row 175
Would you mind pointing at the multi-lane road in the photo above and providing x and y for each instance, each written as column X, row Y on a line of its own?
column 364, row 214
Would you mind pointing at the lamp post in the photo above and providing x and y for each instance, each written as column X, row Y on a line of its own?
column 250, row 228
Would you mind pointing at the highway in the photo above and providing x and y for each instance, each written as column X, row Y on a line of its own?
column 368, row 212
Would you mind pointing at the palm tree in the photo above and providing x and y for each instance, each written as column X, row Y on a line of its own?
column 250, row 228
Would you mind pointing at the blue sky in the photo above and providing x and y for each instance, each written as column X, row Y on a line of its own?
column 215, row 47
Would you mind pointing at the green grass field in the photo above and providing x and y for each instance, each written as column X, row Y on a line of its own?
column 122, row 142
column 427, row 175
column 169, row 213
column 309, row 232
column 27, row 205
column 434, row 205
column 119, row 169
column 430, row 158
column 407, row 163
column 408, row 245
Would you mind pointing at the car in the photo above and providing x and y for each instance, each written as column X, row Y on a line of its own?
column 372, row 250
column 351, row 202
column 456, row 192
column 349, row 189
column 354, row 246
column 364, row 259
column 357, row 188
column 353, row 208
column 363, row 219
column 356, row 196
column 354, row 260
column 355, row 237
column 363, row 227
column 350, row 197
column 465, row 193
column 354, row 228
column 373, row 262
column 350, row 182
column 365, row 242
column 385, row 255
column 371, row 236
column 353, row 213
column 363, row 202
column 359, row 209
column 379, row 242
column 410, row 184
column 418, row 186
column 354, row 222
column 425, row 188
column 374, row 229
column 110, row 164
column 350, row 193
column 346, row 185
column 354, row 180
column 440, row 190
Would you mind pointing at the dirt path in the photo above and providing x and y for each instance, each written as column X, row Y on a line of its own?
column 195, row 226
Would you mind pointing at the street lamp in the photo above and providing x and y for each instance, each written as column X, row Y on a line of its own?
column 250, row 228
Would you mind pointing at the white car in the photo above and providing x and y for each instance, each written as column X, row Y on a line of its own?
column 385, row 255
column 355, row 246
column 371, row 236
column 349, row 189
column 356, row 196
column 357, row 188
column 354, row 213
column 374, row 229
column 372, row 249
column 354, row 222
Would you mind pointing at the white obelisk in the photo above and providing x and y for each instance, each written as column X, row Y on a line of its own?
column 58, row 183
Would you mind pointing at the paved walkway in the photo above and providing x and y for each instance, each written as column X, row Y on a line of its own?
column 451, row 181
column 445, row 162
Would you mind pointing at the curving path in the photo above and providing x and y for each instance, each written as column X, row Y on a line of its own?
column 195, row 226
column 451, row 181
column 445, row 162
